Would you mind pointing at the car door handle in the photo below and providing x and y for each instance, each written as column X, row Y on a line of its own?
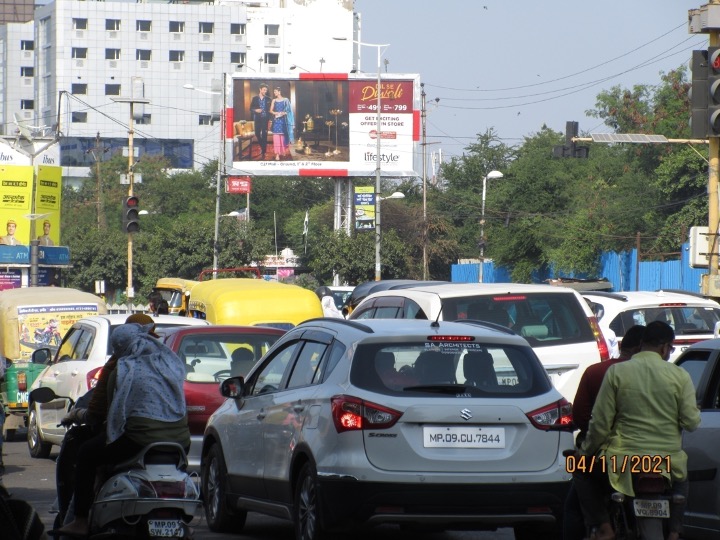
column 298, row 408
column 75, row 372
column 261, row 415
column 56, row 373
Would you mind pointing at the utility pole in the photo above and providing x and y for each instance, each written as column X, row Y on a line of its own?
column 97, row 152
column 424, row 177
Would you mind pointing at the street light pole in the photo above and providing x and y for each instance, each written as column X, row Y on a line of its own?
column 491, row 175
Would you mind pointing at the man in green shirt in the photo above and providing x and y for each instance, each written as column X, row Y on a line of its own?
column 641, row 410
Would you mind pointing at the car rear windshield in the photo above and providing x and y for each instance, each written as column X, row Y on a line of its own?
column 544, row 319
column 449, row 368
column 685, row 320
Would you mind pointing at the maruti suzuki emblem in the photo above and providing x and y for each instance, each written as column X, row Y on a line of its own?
column 466, row 414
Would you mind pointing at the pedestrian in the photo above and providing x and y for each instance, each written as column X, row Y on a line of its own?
column 329, row 308
column 154, row 299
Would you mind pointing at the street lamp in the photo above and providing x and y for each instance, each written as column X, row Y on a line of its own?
column 240, row 66
column 492, row 175
column 221, row 163
column 378, row 137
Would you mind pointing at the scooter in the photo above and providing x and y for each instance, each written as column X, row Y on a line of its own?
column 148, row 496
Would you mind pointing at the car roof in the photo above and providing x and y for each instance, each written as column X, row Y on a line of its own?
column 451, row 290
column 382, row 329
column 222, row 329
column 120, row 318
column 651, row 298
column 364, row 290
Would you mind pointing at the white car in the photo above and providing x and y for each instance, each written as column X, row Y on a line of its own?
column 692, row 316
column 556, row 321
column 84, row 349
column 344, row 425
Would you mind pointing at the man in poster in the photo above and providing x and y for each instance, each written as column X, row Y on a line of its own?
column 259, row 107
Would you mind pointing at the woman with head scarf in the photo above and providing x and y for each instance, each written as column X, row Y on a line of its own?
column 146, row 405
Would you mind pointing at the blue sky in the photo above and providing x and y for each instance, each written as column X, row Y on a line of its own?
column 514, row 66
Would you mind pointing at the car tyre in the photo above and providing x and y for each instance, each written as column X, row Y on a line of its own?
column 306, row 510
column 538, row 532
column 214, row 475
column 38, row 448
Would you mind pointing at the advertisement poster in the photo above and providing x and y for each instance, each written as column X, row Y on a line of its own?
column 47, row 205
column 324, row 124
column 364, row 207
column 44, row 326
column 16, row 184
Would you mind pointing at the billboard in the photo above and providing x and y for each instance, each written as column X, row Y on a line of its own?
column 323, row 124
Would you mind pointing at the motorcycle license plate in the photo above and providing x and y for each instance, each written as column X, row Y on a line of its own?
column 651, row 508
column 165, row 528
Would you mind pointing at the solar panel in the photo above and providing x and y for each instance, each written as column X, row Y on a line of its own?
column 637, row 138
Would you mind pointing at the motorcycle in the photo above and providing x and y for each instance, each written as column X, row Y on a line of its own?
column 148, row 496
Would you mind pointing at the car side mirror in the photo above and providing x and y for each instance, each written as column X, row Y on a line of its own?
column 232, row 387
column 41, row 356
column 716, row 330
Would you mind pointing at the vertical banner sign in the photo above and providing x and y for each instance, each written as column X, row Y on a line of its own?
column 47, row 201
column 396, row 117
column 364, row 207
column 16, row 183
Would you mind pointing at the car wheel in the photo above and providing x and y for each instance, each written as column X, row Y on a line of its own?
column 38, row 448
column 218, row 515
column 306, row 510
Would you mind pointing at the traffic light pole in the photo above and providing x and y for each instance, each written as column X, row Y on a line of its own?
column 713, row 178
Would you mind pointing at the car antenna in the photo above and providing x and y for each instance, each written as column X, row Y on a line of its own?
column 435, row 323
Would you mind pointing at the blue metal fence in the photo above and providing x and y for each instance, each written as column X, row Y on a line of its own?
column 620, row 269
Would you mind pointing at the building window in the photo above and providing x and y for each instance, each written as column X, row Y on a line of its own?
column 177, row 26
column 237, row 29
column 177, row 56
column 143, row 54
column 205, row 56
column 79, row 52
column 112, row 54
column 79, row 118
column 237, row 57
column 146, row 119
column 79, row 89
column 271, row 58
column 205, row 120
column 27, row 45
column 27, row 71
column 206, row 27
column 112, row 89
column 143, row 26
column 272, row 29
column 80, row 24
column 112, row 24
column 27, row 104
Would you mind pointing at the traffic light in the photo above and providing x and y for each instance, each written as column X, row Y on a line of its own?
column 699, row 95
column 713, row 81
column 131, row 214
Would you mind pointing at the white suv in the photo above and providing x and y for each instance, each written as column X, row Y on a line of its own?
column 692, row 316
column 344, row 424
column 74, row 370
column 556, row 321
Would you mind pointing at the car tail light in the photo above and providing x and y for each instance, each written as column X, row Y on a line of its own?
column 556, row 417
column 354, row 414
column 92, row 377
column 599, row 339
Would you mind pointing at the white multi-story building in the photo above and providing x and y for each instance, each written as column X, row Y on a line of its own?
column 88, row 59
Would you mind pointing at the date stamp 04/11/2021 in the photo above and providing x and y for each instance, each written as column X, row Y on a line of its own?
column 634, row 464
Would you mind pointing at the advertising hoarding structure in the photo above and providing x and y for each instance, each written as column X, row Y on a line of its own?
column 330, row 125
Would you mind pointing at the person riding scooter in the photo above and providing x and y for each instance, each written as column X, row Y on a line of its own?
column 641, row 409
column 146, row 405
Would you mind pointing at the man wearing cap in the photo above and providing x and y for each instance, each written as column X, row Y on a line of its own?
column 45, row 239
column 9, row 239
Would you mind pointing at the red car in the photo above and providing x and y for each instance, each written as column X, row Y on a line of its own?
column 212, row 354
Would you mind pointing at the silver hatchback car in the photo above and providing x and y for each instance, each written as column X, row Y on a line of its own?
column 345, row 424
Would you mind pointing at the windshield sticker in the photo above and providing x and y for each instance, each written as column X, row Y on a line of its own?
column 452, row 347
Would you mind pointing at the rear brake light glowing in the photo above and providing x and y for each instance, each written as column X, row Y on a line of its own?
column 599, row 339
column 509, row 298
column 353, row 414
column 553, row 416
column 451, row 338
column 676, row 304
